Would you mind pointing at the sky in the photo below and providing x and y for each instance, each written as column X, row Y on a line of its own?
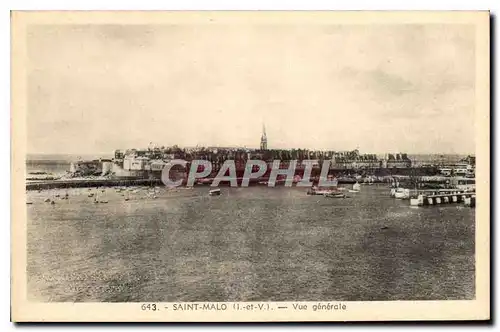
column 379, row 88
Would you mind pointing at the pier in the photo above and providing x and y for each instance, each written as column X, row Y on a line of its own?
column 87, row 183
column 467, row 198
column 403, row 193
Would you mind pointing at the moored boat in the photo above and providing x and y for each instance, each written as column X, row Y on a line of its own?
column 355, row 188
column 335, row 195
column 470, row 201
column 401, row 193
column 214, row 192
column 315, row 190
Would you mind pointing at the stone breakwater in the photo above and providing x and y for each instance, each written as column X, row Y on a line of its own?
column 89, row 183
column 86, row 183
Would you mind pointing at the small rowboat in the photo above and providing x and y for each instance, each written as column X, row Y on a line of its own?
column 335, row 195
column 214, row 192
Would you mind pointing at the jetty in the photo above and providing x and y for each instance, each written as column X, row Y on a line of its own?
column 88, row 183
column 403, row 193
column 467, row 198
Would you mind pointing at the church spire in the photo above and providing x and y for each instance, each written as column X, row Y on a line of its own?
column 263, row 138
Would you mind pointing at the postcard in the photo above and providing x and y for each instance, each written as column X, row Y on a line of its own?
column 206, row 166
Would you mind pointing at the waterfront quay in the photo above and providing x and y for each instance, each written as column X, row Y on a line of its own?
column 87, row 183
column 467, row 198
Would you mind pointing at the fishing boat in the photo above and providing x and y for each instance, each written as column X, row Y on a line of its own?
column 214, row 192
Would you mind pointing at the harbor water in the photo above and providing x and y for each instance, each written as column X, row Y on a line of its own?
column 249, row 244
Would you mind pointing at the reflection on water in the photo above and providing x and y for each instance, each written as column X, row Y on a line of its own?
column 250, row 244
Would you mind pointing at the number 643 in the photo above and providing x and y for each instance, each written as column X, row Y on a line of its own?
column 148, row 306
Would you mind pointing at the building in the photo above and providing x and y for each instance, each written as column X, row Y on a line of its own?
column 107, row 167
column 354, row 160
column 458, row 169
column 135, row 163
column 400, row 160
column 470, row 160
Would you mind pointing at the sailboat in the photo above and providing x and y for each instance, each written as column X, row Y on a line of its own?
column 103, row 200
column 66, row 195
column 50, row 200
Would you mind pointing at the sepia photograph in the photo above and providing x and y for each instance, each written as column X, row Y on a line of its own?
column 201, row 166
